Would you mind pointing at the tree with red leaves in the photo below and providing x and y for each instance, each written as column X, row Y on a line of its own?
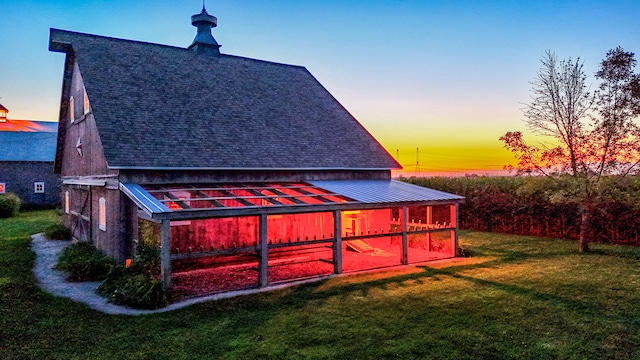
column 588, row 135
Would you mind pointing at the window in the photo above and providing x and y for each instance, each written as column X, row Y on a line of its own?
column 102, row 214
column 38, row 187
column 85, row 105
column 2, row 188
column 66, row 202
column 72, row 107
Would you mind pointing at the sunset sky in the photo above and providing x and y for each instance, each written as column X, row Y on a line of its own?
column 447, row 77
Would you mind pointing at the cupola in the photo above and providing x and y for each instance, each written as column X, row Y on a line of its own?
column 3, row 114
column 204, row 43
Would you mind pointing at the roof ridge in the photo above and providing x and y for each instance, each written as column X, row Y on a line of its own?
column 76, row 33
column 264, row 61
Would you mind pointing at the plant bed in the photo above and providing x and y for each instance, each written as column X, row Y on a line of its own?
column 57, row 232
column 83, row 262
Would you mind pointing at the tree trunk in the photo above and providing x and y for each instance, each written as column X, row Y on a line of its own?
column 585, row 223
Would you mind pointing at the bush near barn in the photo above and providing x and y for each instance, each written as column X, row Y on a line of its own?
column 520, row 205
column 137, row 285
column 83, row 262
column 9, row 205
column 57, row 231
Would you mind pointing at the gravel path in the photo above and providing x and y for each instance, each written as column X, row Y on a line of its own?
column 54, row 281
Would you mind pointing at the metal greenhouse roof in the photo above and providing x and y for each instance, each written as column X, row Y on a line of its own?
column 183, row 201
column 384, row 191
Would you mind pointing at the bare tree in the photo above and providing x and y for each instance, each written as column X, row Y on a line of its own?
column 593, row 135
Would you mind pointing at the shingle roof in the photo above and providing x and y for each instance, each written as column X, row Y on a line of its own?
column 159, row 106
column 27, row 146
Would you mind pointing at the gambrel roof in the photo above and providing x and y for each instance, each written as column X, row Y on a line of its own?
column 164, row 107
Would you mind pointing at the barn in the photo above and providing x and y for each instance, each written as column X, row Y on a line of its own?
column 27, row 151
column 247, row 170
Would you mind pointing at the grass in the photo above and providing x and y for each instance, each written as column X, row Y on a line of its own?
column 520, row 297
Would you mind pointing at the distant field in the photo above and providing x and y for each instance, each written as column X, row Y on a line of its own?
column 519, row 297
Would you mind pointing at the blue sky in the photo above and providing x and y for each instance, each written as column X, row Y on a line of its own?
column 448, row 77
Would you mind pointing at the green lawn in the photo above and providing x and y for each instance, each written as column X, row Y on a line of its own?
column 520, row 297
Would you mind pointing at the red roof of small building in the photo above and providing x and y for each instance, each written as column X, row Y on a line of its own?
column 28, row 125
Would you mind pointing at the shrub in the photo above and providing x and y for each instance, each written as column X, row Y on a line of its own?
column 57, row 232
column 138, row 285
column 84, row 262
column 9, row 205
column 138, row 290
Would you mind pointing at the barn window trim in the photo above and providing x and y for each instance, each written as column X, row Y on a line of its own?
column 38, row 187
column 102, row 214
column 85, row 104
column 72, row 115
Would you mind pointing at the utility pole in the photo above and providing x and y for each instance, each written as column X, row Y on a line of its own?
column 417, row 161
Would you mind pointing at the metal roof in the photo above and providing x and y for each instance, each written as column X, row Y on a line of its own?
column 27, row 146
column 384, row 191
column 238, row 199
column 143, row 199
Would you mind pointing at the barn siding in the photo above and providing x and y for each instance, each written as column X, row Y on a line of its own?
column 108, row 240
column 92, row 162
column 19, row 177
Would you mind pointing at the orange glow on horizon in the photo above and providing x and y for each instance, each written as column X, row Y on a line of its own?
column 452, row 161
column 21, row 125
column 447, row 142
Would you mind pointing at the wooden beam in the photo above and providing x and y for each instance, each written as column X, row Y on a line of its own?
column 405, row 242
column 454, row 208
column 177, row 200
column 251, row 250
column 202, row 196
column 263, row 262
column 337, row 245
column 263, row 196
column 254, row 210
column 237, row 198
column 429, row 221
column 285, row 244
column 319, row 197
column 288, row 197
column 165, row 254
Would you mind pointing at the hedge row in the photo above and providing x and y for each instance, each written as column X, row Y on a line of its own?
column 521, row 205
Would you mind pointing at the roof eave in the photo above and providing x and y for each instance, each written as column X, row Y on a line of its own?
column 56, row 45
column 173, row 168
